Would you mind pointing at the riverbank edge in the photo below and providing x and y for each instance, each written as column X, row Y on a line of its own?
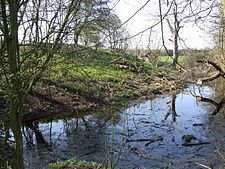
column 63, row 111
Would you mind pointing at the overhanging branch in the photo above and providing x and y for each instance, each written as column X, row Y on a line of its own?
column 220, row 72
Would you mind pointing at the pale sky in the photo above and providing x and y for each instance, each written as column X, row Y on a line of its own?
column 194, row 37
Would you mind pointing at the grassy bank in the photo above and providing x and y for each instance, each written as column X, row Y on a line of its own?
column 84, row 79
column 108, row 75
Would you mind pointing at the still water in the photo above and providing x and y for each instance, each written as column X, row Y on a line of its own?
column 146, row 134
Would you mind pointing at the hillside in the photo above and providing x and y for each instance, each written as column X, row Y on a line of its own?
column 86, row 79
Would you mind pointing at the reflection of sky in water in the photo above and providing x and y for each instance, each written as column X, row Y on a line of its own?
column 90, row 138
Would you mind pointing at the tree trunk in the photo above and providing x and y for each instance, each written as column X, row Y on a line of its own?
column 16, row 129
column 76, row 36
column 14, row 88
column 223, row 1
column 175, row 49
column 175, row 36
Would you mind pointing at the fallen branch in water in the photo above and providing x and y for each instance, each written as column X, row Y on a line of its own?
column 158, row 139
column 195, row 144
column 150, row 140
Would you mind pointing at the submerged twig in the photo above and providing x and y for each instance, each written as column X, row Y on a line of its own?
column 195, row 144
column 202, row 165
column 220, row 154
column 156, row 139
column 150, row 140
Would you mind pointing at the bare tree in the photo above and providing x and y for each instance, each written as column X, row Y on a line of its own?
column 175, row 32
column 179, row 14
column 31, row 33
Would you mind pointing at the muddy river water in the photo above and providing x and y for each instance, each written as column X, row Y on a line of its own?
column 169, row 131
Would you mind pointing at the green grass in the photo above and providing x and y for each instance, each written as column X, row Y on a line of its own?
column 73, row 164
column 168, row 59
column 152, row 89
column 94, row 73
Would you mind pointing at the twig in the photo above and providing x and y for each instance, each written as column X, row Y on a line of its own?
column 134, row 14
column 202, row 165
column 150, row 140
column 220, row 154
column 195, row 144
column 156, row 139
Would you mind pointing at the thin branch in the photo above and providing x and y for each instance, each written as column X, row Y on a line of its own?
column 134, row 14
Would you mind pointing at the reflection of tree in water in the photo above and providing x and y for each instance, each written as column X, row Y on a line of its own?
column 77, row 137
column 218, row 82
column 33, row 129
column 6, row 147
column 172, row 108
column 89, row 137
column 218, row 99
column 219, row 95
column 218, row 105
column 90, row 123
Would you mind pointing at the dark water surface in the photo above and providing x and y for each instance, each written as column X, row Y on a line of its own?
column 119, row 138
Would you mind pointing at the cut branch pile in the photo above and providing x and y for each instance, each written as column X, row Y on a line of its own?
column 123, row 63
